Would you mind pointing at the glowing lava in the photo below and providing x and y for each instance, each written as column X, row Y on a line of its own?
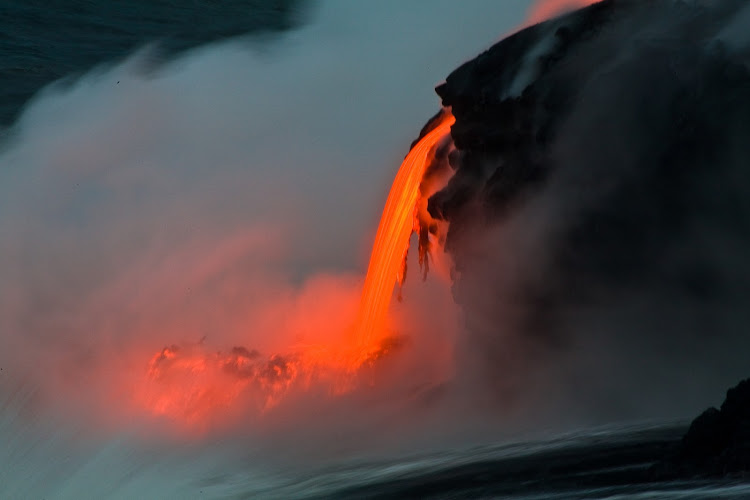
column 547, row 9
column 192, row 385
column 387, row 261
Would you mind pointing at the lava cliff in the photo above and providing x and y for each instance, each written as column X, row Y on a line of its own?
column 598, row 212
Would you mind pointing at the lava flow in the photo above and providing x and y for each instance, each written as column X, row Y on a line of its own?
column 190, row 385
column 388, row 259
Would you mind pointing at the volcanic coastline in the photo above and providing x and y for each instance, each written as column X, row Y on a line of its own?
column 648, row 116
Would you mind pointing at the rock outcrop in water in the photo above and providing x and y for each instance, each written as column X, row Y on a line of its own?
column 598, row 213
column 718, row 441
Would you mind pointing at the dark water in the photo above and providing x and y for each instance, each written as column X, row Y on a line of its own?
column 610, row 462
column 44, row 40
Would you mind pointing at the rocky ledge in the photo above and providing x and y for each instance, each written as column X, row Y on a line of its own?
column 717, row 444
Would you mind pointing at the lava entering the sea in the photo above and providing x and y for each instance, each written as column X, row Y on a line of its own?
column 190, row 385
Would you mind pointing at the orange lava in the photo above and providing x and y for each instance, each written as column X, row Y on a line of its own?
column 194, row 387
column 546, row 9
column 392, row 239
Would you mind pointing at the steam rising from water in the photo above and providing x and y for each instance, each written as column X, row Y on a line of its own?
column 228, row 197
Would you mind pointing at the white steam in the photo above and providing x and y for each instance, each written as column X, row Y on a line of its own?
column 221, row 194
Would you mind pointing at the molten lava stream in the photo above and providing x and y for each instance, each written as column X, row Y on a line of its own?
column 392, row 240
column 192, row 385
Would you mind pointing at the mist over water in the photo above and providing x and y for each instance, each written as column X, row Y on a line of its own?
column 225, row 197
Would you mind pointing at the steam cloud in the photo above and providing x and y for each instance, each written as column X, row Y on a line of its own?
column 227, row 198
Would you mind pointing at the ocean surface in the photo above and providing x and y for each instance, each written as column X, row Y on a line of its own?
column 610, row 462
column 44, row 41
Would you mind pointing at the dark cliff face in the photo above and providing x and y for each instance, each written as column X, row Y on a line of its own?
column 599, row 211
column 716, row 444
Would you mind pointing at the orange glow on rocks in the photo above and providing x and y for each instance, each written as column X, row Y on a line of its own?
column 195, row 387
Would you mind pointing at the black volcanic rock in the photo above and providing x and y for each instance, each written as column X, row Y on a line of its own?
column 718, row 441
column 599, row 217
column 506, row 109
column 510, row 101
